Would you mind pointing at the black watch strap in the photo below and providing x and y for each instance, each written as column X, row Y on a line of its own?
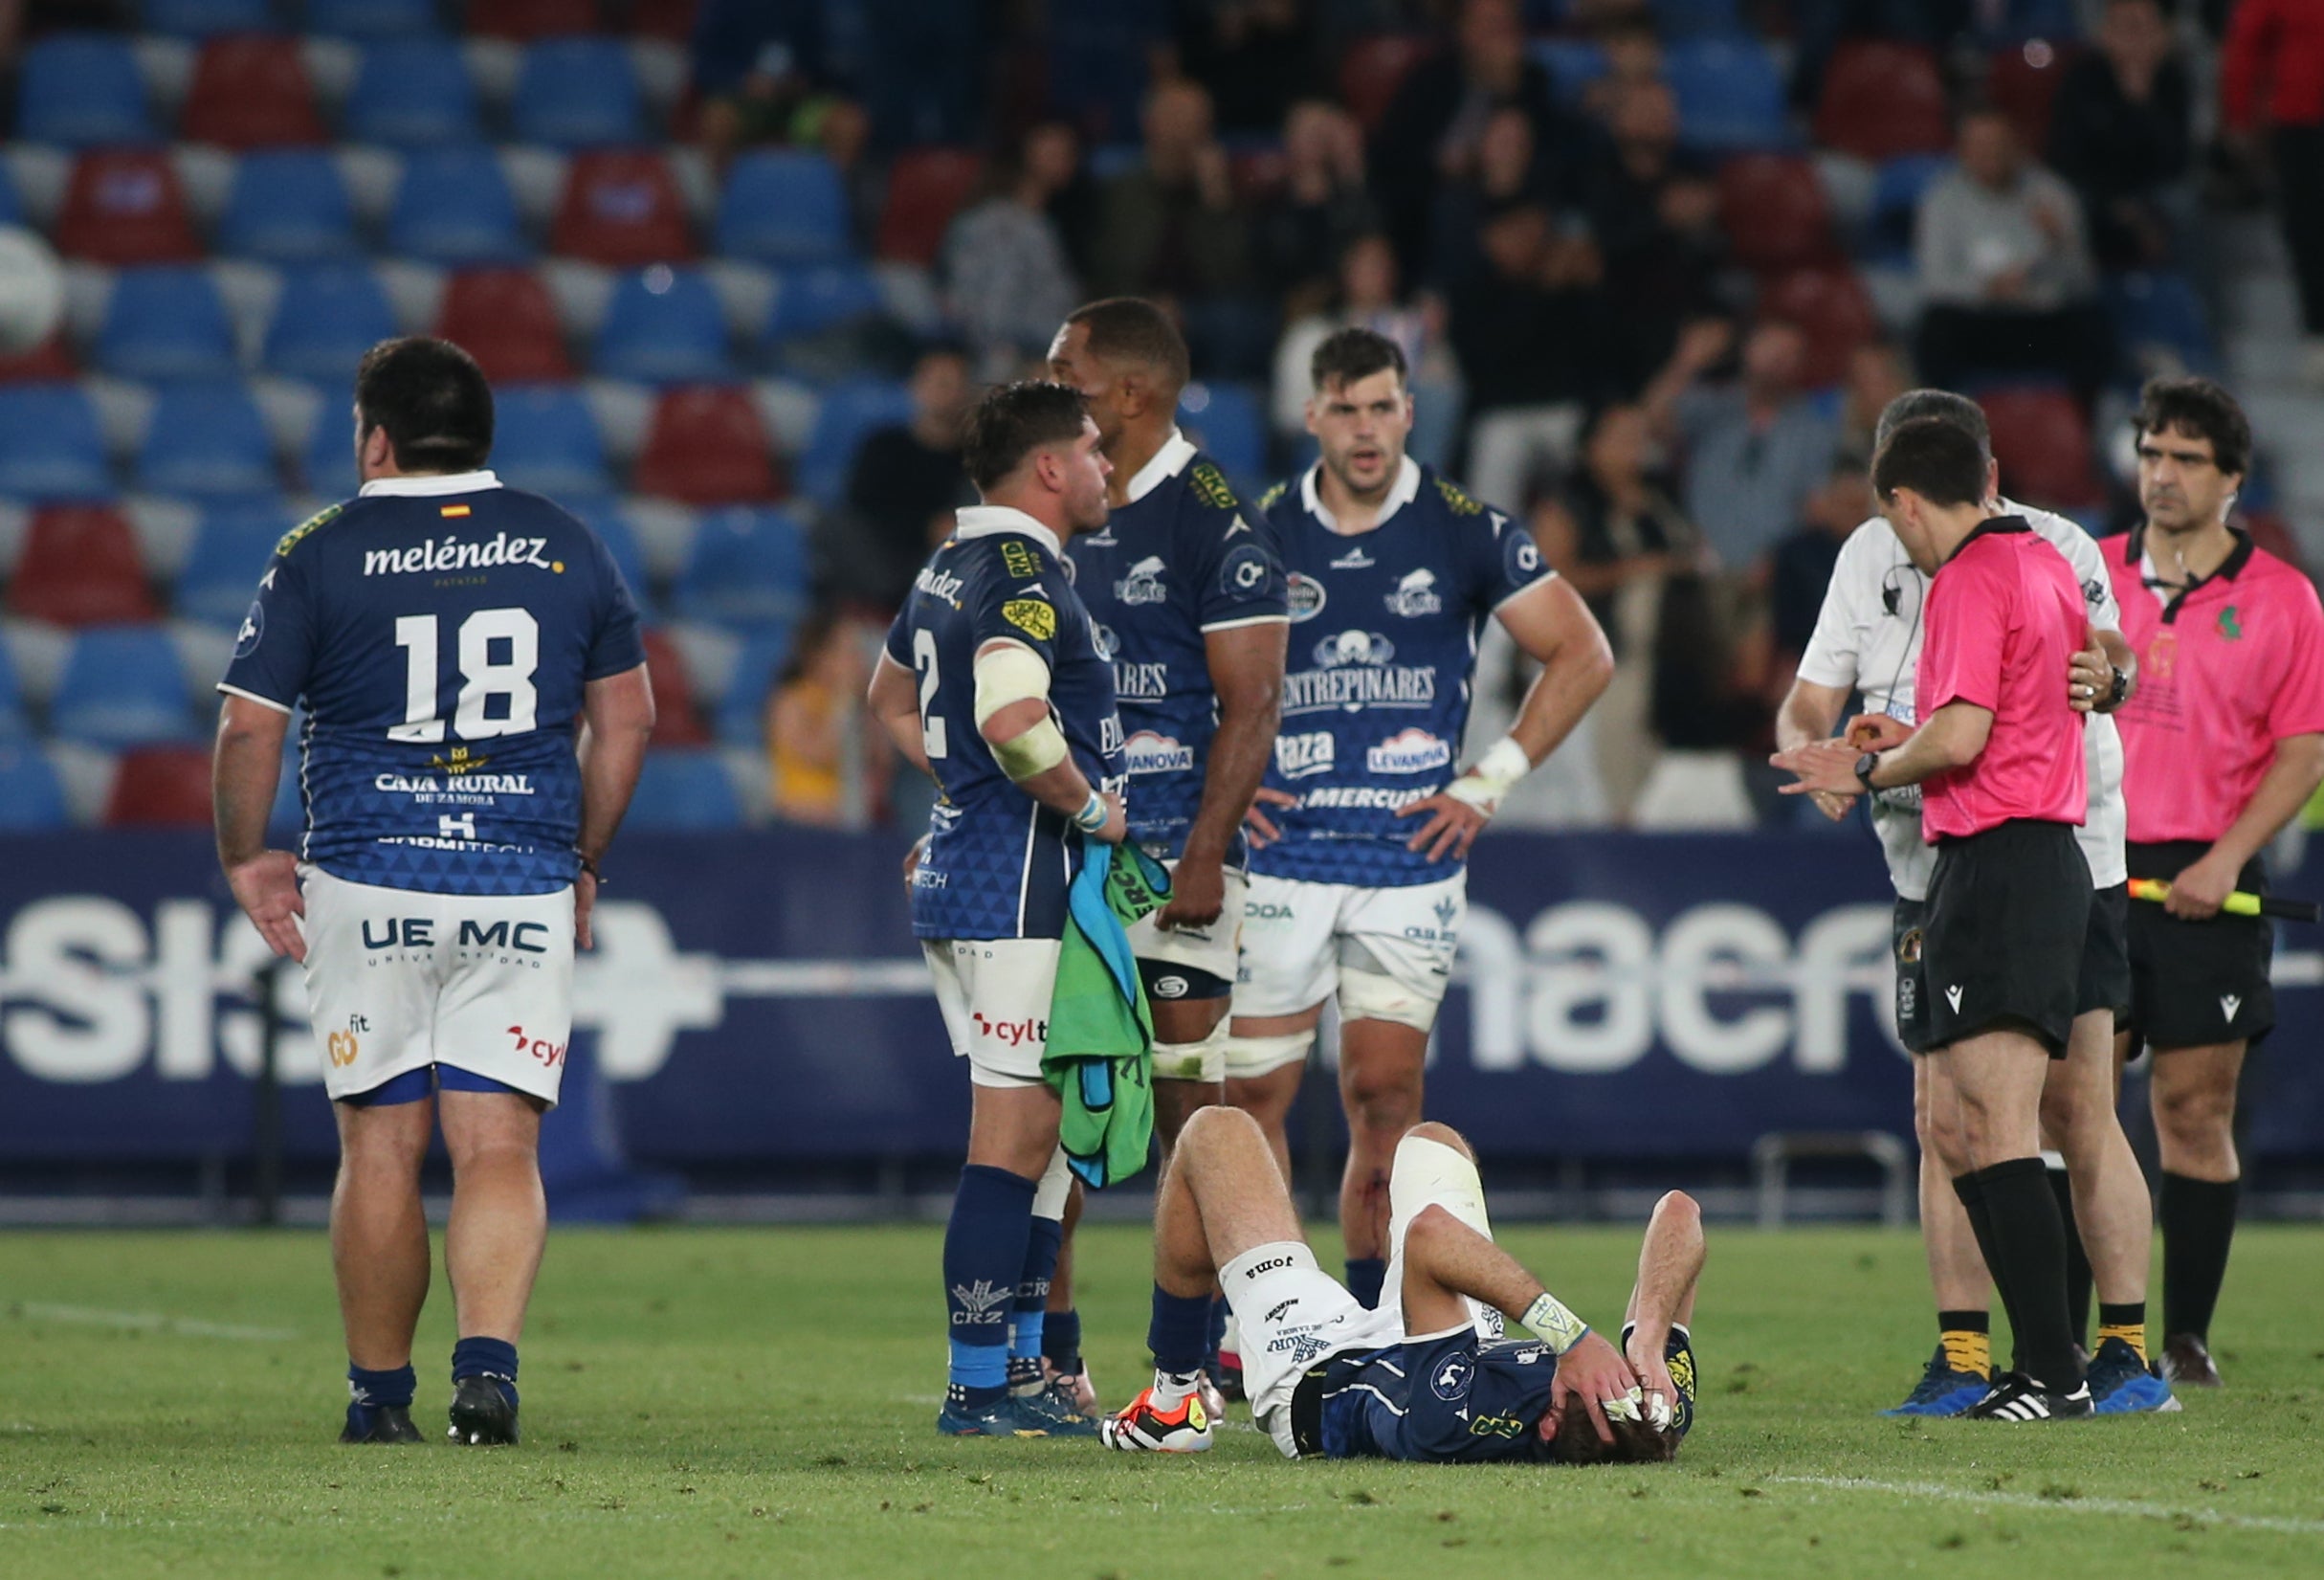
column 588, row 864
column 1865, row 765
column 2120, row 691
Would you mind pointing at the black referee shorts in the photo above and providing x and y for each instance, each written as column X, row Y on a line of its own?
column 2106, row 955
column 2006, row 927
column 1911, row 975
column 2197, row 984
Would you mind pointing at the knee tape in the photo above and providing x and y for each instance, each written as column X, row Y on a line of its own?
column 1055, row 1184
column 1370, row 996
column 1204, row 1061
column 1249, row 1058
column 1428, row 1174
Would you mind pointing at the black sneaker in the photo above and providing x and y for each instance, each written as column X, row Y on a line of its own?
column 2017, row 1397
column 379, row 1424
column 481, row 1416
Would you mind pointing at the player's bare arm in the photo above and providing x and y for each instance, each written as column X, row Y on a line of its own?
column 894, row 700
column 1551, row 625
column 1013, row 716
column 1811, row 713
column 249, row 761
column 1952, row 738
column 2291, row 778
column 1670, row 1266
column 616, row 723
column 1247, row 672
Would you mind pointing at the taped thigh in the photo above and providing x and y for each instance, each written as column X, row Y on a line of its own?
column 1204, row 1061
column 1249, row 1058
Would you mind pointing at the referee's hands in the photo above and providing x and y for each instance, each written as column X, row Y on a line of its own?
column 2090, row 678
column 2198, row 892
column 266, row 887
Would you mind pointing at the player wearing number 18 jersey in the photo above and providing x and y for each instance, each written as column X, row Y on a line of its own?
column 449, row 639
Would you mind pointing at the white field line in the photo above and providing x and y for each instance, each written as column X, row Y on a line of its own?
column 151, row 1322
column 1937, row 1491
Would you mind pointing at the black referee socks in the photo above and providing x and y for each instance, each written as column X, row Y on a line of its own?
column 2198, row 1218
column 2078, row 1278
column 2024, row 1239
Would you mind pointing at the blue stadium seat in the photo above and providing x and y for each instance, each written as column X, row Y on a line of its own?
column 824, row 296
column 1897, row 194
column 603, row 515
column 2160, row 311
column 288, row 206
column 1227, row 421
column 371, row 18
column 32, row 797
column 12, row 209
column 122, row 686
column 545, row 438
column 454, row 208
column 579, row 93
column 14, row 726
column 748, row 568
column 207, row 439
column 165, row 322
column 1729, row 93
column 230, row 551
column 742, row 712
column 782, row 205
column 664, row 325
column 1573, row 64
column 413, row 93
column 82, row 90
column 327, row 317
column 1679, row 19
column 206, row 19
column 51, row 447
column 849, row 411
column 328, row 463
column 683, row 790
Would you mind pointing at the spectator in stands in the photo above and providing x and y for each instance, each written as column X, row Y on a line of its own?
column 1876, row 374
column 1633, row 59
column 759, row 72
column 2122, row 133
column 1255, row 57
column 904, row 484
column 1323, row 208
column 1367, row 298
column 1655, row 213
column 828, row 763
column 1007, row 280
column 2272, row 79
column 1804, row 561
column 1753, row 448
column 2004, row 268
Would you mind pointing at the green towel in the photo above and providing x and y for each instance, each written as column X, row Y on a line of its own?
column 1100, row 1046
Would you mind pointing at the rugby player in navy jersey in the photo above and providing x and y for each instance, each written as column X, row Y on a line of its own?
column 1187, row 596
column 1358, row 876
column 993, row 681
column 476, row 714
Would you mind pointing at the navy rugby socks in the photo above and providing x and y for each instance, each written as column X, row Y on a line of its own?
column 495, row 1358
column 1365, row 1277
column 1028, row 1320
column 985, row 1247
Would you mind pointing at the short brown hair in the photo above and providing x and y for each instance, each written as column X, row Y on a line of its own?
column 1636, row 1442
column 1131, row 330
column 1013, row 421
column 1934, row 457
column 1347, row 355
column 2201, row 408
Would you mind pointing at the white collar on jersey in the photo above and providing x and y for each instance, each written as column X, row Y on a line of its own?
column 984, row 520
column 428, row 487
column 1168, row 462
column 1405, row 490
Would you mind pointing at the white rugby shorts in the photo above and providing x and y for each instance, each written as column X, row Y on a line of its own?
column 995, row 995
column 1297, row 937
column 398, row 980
column 1210, row 948
column 1293, row 1314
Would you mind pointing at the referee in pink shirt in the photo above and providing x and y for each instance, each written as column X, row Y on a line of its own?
column 1999, row 759
column 2222, row 746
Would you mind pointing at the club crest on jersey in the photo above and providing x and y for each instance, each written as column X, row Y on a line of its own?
column 1407, row 751
column 1452, row 1378
column 1107, row 643
column 1245, row 572
column 1031, row 616
column 1355, row 647
column 1306, row 595
column 1416, row 594
column 1524, row 556
column 253, row 632
column 1150, row 753
column 1143, row 584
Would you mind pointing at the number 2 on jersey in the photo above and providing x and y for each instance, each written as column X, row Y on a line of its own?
column 931, row 726
column 483, row 676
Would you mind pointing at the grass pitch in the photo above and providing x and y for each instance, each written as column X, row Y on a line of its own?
column 757, row 1402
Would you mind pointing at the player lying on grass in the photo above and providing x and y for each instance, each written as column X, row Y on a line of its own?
column 1428, row 1376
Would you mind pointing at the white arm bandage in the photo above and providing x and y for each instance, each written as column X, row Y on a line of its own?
column 1491, row 776
column 1010, row 671
column 1548, row 1320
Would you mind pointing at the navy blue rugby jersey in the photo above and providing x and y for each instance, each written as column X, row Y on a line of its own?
column 998, row 863
column 1384, row 634
column 1178, row 560
column 439, row 631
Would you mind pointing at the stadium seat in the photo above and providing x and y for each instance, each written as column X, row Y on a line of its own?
column 121, row 685
column 506, row 321
column 229, row 554
column 1226, row 420
column 827, row 296
column 741, row 714
column 545, row 438
column 1096, row 54
column 707, row 446
column 2158, row 317
column 2043, row 443
column 603, row 515
column 578, row 93
column 1573, row 64
column 749, row 570
column 453, row 207
column 81, row 568
column 32, row 797
column 124, row 206
column 371, row 18
column 1774, row 212
column 2023, row 82
column 160, row 787
column 783, row 205
column 252, row 92
column 207, row 439
column 413, row 93
column 327, row 462
column 205, row 18
column 51, row 447
column 848, row 412
column 1373, row 69
column 678, row 718
column 671, row 20
column 664, row 325
column 165, row 322
column 1897, row 194
column 1881, row 100
column 525, row 20
column 47, row 362
column 14, row 727
column 622, row 209
column 288, row 206
column 1833, row 311
column 327, row 317
column 926, row 187
column 1729, row 93
column 81, row 90
column 684, row 790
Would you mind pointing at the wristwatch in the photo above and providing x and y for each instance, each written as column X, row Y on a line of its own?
column 2119, row 693
column 1865, row 765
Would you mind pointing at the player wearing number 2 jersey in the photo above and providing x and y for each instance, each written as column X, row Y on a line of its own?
column 449, row 639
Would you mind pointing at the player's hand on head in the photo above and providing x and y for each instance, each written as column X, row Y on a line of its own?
column 1654, row 1376
column 1597, row 1374
column 266, row 887
column 2090, row 676
column 1452, row 828
column 1257, row 827
column 1198, row 894
column 2198, row 892
column 1876, row 732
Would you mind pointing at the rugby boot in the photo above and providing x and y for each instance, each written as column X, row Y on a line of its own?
column 2017, row 1397
column 1143, row 1426
column 1049, row 1408
column 1942, row 1390
column 379, row 1424
column 481, row 1416
column 2186, row 1363
column 1076, row 1383
column 2121, row 1385
column 1000, row 1418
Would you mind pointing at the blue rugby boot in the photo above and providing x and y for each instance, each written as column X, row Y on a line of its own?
column 2121, row 1385
column 1943, row 1391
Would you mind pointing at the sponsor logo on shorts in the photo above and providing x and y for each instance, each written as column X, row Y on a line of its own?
column 343, row 1047
column 1409, row 751
column 983, row 1304
column 1271, row 1264
column 2229, row 1004
column 1952, row 997
column 1908, row 947
column 1452, row 1378
column 538, row 1049
column 1150, row 753
column 1297, row 756
column 1416, row 595
column 1170, row 987
column 1265, row 910
column 1275, row 1313
column 1015, row 1033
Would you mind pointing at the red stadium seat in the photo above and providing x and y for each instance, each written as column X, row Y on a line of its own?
column 81, row 568
column 622, row 209
column 48, row 363
column 252, row 91
column 505, row 319
column 2022, row 84
column 126, row 206
column 1833, row 309
column 707, row 446
column 2043, row 443
column 671, row 19
column 525, row 20
column 925, row 188
column 160, row 788
column 1374, row 68
column 677, row 722
column 1774, row 212
column 1883, row 99
column 2274, row 534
